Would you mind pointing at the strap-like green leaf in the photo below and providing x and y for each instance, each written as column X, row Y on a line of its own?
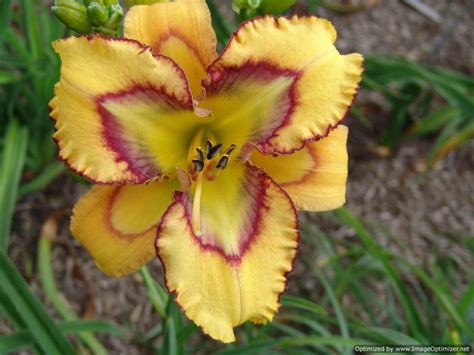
column 43, row 330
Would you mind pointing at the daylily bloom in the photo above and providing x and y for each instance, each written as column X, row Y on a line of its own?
column 204, row 159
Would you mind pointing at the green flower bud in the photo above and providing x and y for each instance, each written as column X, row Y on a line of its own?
column 72, row 14
column 88, row 2
column 97, row 14
column 115, row 17
column 275, row 6
column 86, row 16
column 242, row 5
column 130, row 3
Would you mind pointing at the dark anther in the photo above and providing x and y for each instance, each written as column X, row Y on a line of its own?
column 230, row 149
column 208, row 147
column 200, row 154
column 198, row 165
column 223, row 162
column 214, row 150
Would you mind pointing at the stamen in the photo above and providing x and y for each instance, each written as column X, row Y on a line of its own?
column 209, row 146
column 213, row 151
column 196, row 142
column 200, row 153
column 223, row 162
column 230, row 149
column 197, row 207
column 198, row 165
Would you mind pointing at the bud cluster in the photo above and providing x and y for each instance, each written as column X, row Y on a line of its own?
column 250, row 8
column 88, row 16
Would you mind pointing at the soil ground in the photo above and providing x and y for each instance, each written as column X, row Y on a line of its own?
column 424, row 212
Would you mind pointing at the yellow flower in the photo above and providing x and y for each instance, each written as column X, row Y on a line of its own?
column 203, row 159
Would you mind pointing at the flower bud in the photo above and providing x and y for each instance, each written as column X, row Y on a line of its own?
column 72, row 14
column 250, row 8
column 275, row 6
column 246, row 8
column 97, row 14
column 130, row 3
column 242, row 5
column 86, row 16
column 115, row 16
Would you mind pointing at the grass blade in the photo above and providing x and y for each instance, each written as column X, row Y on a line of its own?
column 341, row 320
column 5, row 8
column 433, row 121
column 302, row 304
column 12, row 161
column 23, row 338
column 44, row 331
column 412, row 315
column 49, row 173
column 156, row 294
column 50, row 289
column 444, row 146
column 442, row 297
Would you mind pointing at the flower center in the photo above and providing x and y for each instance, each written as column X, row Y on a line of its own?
column 206, row 161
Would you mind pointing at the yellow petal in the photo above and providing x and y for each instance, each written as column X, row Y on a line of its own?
column 117, row 224
column 236, row 269
column 281, row 82
column 180, row 30
column 113, row 101
column 315, row 176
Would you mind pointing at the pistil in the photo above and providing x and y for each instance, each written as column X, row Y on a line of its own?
column 196, row 217
column 207, row 164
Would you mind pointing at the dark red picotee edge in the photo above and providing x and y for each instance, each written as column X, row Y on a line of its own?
column 285, row 275
column 156, row 46
column 267, row 147
column 187, row 102
column 139, row 163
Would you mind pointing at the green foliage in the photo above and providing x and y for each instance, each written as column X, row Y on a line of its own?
column 28, row 71
column 411, row 90
column 12, row 159
column 26, row 310
column 52, row 293
column 366, row 295
column 24, row 338
column 415, row 307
